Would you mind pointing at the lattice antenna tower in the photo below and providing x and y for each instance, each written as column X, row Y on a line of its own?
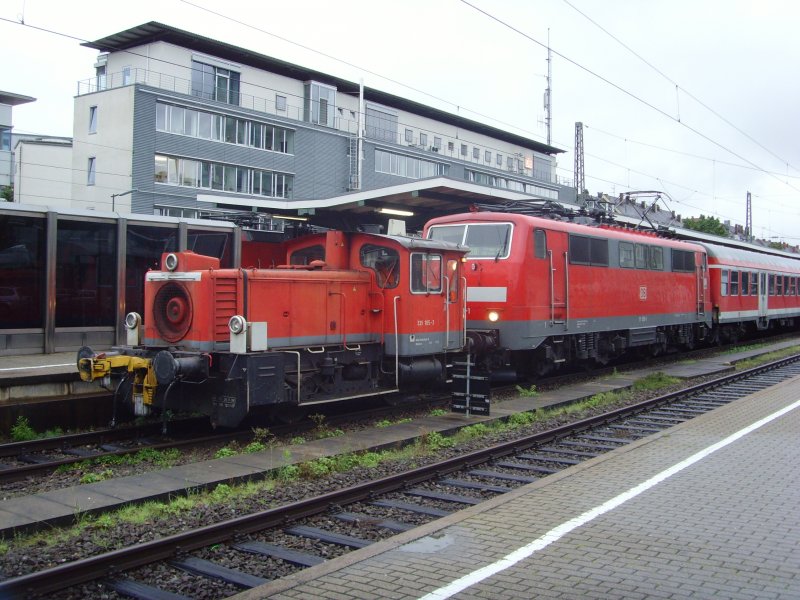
column 748, row 221
column 548, row 105
column 580, row 177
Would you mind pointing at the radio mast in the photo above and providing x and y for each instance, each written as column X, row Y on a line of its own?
column 548, row 106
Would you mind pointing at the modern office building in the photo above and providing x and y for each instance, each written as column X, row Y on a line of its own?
column 177, row 124
column 8, row 101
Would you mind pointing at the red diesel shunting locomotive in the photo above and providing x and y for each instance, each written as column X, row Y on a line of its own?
column 349, row 315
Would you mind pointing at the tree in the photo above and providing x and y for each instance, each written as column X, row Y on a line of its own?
column 7, row 193
column 705, row 224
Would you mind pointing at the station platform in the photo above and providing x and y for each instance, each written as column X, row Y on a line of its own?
column 29, row 376
column 706, row 509
column 64, row 506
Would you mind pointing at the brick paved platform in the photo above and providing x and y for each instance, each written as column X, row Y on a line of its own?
column 726, row 525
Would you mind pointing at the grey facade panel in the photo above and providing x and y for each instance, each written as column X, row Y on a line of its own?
column 142, row 164
column 322, row 164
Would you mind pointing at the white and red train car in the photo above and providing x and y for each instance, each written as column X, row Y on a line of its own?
column 347, row 315
column 543, row 293
column 752, row 289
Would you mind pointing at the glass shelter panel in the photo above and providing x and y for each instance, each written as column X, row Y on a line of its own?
column 22, row 271
column 145, row 245
column 85, row 274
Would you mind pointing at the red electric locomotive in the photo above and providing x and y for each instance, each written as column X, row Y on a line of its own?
column 543, row 293
column 348, row 315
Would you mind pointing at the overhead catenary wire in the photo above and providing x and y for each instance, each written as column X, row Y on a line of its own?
column 628, row 93
column 680, row 88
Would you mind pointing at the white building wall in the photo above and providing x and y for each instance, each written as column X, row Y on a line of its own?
column 43, row 174
column 111, row 146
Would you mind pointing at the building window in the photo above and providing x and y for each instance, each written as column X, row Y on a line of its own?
column 213, row 83
column 510, row 162
column 463, row 149
column 499, row 160
column 423, row 139
column 186, row 172
column 450, row 147
column 280, row 103
column 320, row 103
column 91, row 170
column 126, row 75
column 5, row 138
column 381, row 123
column 407, row 166
column 209, row 126
column 92, row 119
column 476, row 153
column 487, row 156
column 437, row 144
column 409, row 136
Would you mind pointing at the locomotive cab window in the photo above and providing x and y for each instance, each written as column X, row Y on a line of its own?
column 682, row 260
column 304, row 256
column 384, row 261
column 626, row 256
column 452, row 280
column 585, row 250
column 485, row 240
column 426, row 273
column 539, row 244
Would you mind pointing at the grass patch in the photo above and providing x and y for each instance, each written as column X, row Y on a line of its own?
column 757, row 361
column 21, row 431
column 527, row 392
column 655, row 381
column 158, row 458
column 382, row 424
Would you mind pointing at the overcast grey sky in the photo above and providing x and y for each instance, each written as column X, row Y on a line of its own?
column 645, row 129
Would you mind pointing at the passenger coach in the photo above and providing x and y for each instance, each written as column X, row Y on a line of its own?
column 752, row 290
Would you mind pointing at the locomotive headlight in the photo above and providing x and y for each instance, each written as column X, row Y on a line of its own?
column 237, row 324
column 171, row 262
column 494, row 316
column 133, row 320
column 133, row 326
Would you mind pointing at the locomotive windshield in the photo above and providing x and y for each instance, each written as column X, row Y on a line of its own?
column 485, row 240
column 384, row 261
column 426, row 273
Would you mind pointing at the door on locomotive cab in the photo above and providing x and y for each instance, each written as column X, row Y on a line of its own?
column 557, row 252
column 432, row 314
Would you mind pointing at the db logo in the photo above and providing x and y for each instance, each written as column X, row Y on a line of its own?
column 643, row 292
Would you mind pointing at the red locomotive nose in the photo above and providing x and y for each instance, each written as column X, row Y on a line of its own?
column 172, row 312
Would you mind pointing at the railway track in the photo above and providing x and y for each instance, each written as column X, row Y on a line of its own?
column 20, row 460
column 249, row 550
